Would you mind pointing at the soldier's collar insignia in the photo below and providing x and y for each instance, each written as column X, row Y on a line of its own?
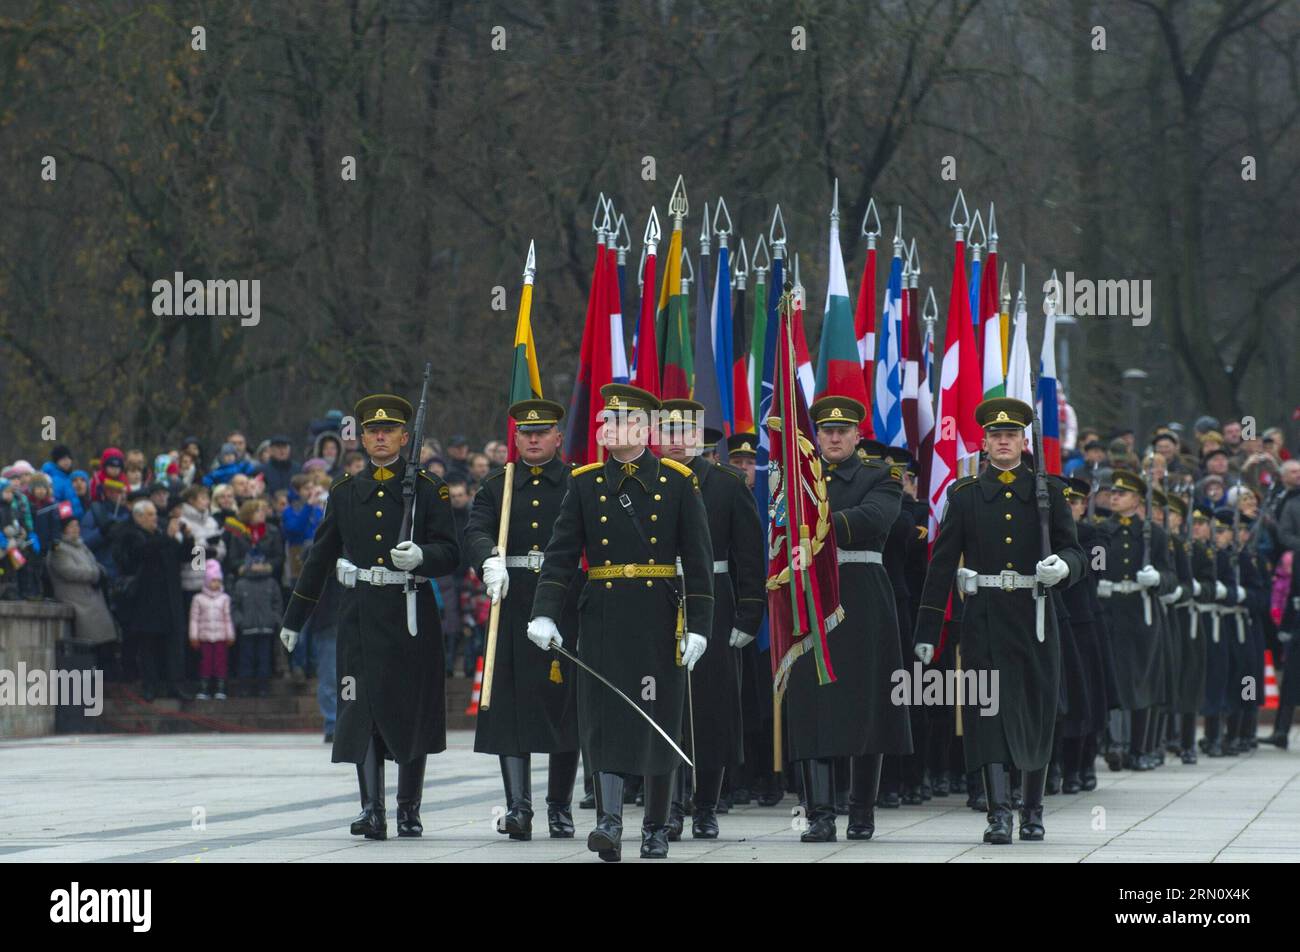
column 1006, row 476
column 536, row 470
column 831, row 466
column 382, row 473
column 1125, row 520
column 629, row 468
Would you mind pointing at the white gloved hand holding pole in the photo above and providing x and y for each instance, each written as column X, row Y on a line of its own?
column 1220, row 591
column 1148, row 577
column 288, row 638
column 1051, row 570
column 406, row 555
column 496, row 577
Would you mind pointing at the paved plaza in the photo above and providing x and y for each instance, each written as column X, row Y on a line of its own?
column 276, row 798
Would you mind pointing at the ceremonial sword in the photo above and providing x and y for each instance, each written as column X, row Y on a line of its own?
column 631, row 703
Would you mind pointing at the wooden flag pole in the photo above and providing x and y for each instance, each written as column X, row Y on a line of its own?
column 494, row 619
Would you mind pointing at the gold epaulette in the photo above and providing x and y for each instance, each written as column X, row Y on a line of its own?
column 680, row 467
column 340, row 480
column 585, row 469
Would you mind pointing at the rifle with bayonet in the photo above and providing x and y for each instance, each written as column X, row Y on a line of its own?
column 409, row 476
column 1146, row 540
column 1238, row 610
column 1044, row 505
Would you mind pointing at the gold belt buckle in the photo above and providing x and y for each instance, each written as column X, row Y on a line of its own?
column 629, row 571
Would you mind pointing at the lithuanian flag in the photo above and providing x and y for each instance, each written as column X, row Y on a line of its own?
column 525, row 377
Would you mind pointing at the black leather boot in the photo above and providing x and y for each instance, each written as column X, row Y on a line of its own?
column 588, row 801
column 976, row 798
column 679, row 795
column 819, row 787
column 1136, row 759
column 606, row 840
column 516, row 772
column 864, row 786
column 708, row 791
column 1212, row 743
column 1231, row 725
column 1017, row 781
column 997, row 790
column 654, row 828
column 1071, row 756
column 1055, row 776
column 372, row 823
column 1282, row 725
column 560, row 778
column 1088, row 762
column 887, row 795
column 410, row 791
column 1187, row 740
column 1031, row 814
column 840, row 773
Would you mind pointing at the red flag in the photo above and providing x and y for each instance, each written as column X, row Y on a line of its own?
column 594, row 368
column 646, row 372
column 864, row 328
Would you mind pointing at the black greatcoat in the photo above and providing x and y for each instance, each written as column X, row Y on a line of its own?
column 1219, row 698
column 855, row 714
column 738, row 602
column 531, row 711
column 993, row 526
column 1190, row 689
column 389, row 681
column 1137, row 646
column 627, row 625
column 1081, row 602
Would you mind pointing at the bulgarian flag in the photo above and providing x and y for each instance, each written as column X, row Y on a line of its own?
column 525, row 378
column 994, row 380
column 959, row 436
column 839, row 370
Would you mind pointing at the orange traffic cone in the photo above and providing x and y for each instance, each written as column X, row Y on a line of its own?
column 1270, row 683
column 472, row 710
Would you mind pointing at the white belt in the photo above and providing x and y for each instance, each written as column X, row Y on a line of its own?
column 1204, row 608
column 858, row 555
column 382, row 576
column 1007, row 581
column 1126, row 588
column 719, row 567
column 533, row 560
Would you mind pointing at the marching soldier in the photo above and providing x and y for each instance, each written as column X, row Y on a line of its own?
column 992, row 522
column 1129, row 589
column 739, row 599
column 534, row 702
column 390, row 700
column 632, row 516
column 854, row 716
column 1189, row 683
column 1219, row 653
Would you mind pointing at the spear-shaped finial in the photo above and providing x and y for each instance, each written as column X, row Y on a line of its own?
column 721, row 221
column 835, row 205
column 688, row 272
column 777, row 229
column 871, row 216
column 1006, row 290
column 914, row 264
column 704, row 231
column 1020, row 295
column 622, row 232
column 959, row 225
column 762, row 261
column 930, row 310
column 898, row 233
column 652, row 233
column 530, row 264
column 993, row 228
column 976, row 242
column 741, row 271
column 1050, row 301
column 611, row 229
column 600, row 217
column 678, row 206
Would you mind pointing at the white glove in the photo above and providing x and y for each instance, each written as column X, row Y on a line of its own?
column 406, row 555
column 1173, row 596
column 1220, row 591
column 1241, row 595
column 1196, row 589
column 495, row 575
column 739, row 639
column 346, row 573
column 1051, row 570
column 288, row 638
column 967, row 581
column 543, row 633
column 1284, row 637
column 692, row 646
column 924, row 652
column 1105, row 587
column 1148, row 577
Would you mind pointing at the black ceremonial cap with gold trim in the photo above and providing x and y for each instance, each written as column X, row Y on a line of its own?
column 837, row 411
column 1201, row 514
column 624, row 396
column 681, row 410
column 874, row 449
column 383, row 408
column 1158, row 498
column 742, row 444
column 1125, row 480
column 1004, row 413
column 535, row 414
column 1178, row 504
column 1076, row 488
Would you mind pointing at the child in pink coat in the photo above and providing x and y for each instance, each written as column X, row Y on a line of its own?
column 211, row 631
